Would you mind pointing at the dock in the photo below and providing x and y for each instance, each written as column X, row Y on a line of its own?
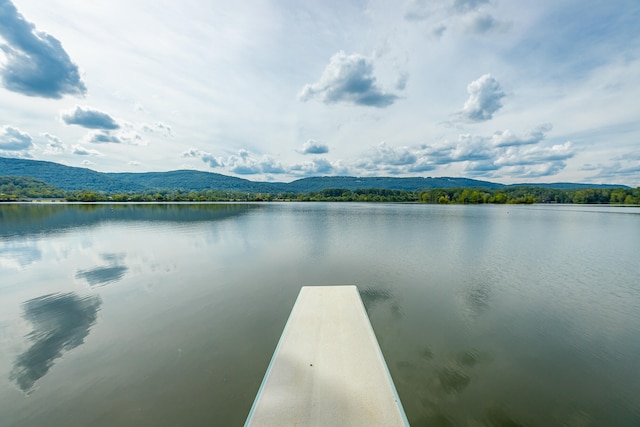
column 327, row 369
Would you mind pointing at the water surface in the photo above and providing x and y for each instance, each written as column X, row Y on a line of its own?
column 139, row 315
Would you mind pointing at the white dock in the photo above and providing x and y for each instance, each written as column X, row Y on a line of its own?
column 327, row 369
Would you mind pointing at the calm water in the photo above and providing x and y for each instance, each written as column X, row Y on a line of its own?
column 167, row 315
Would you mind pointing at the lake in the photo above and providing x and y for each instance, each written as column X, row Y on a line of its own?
column 168, row 314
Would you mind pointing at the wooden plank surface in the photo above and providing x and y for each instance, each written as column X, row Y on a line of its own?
column 327, row 369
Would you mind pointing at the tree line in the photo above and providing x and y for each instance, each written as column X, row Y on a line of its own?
column 15, row 188
column 512, row 195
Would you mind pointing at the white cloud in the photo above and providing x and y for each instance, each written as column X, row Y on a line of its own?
column 79, row 150
column 386, row 155
column 269, row 165
column 102, row 137
column 314, row 147
column 348, row 78
column 555, row 155
column 159, row 128
column 127, row 136
column 54, row 144
column 208, row 158
column 13, row 139
column 506, row 138
column 36, row 64
column 318, row 166
column 245, row 164
column 485, row 98
column 90, row 118
column 16, row 255
column 500, row 155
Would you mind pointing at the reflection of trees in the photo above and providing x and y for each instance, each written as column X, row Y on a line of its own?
column 60, row 323
column 34, row 219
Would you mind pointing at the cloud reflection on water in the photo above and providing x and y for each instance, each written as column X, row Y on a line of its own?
column 104, row 275
column 101, row 276
column 19, row 254
column 475, row 299
column 60, row 323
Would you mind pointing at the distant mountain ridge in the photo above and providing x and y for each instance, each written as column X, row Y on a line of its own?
column 70, row 178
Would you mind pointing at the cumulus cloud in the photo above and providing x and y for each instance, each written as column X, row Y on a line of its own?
column 485, row 98
column 13, row 139
column 158, row 127
column 242, row 163
column 54, row 144
column 506, row 138
column 271, row 166
column 545, row 154
column 535, row 161
column 392, row 156
column 245, row 164
column 348, row 78
column 521, row 157
column 210, row 159
column 318, row 166
column 128, row 137
column 79, row 150
column 102, row 137
column 314, row 147
column 502, row 154
column 505, row 153
column 471, row 148
column 35, row 63
column 90, row 118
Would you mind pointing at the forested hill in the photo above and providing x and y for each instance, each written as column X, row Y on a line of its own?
column 306, row 185
column 74, row 179
column 65, row 177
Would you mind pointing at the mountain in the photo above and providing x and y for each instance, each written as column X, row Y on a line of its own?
column 72, row 178
column 65, row 177
column 196, row 181
column 306, row 185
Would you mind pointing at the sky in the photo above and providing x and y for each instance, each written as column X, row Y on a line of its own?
column 505, row 91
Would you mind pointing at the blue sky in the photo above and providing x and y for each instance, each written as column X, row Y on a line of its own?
column 513, row 91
